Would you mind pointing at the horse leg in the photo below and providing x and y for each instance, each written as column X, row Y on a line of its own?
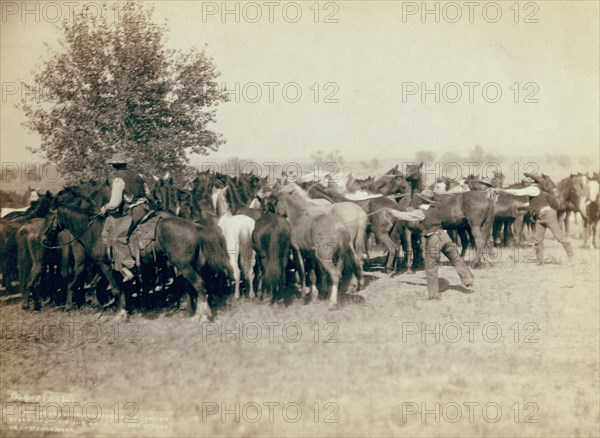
column 247, row 260
column 75, row 281
column 260, row 273
column 116, row 290
column 24, row 270
column 196, row 282
column 299, row 267
column 465, row 241
column 311, row 280
column 479, row 245
column 233, row 260
column 391, row 247
column 335, row 273
column 36, row 273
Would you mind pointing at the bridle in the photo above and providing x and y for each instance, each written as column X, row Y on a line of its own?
column 54, row 212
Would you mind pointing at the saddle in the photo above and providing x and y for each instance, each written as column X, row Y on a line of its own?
column 143, row 236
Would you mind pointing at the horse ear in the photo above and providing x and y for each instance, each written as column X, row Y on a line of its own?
column 155, row 178
column 421, row 165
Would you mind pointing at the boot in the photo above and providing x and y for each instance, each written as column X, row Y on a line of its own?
column 539, row 253
column 567, row 246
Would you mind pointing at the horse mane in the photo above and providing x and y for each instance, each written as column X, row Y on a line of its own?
column 299, row 192
column 74, row 198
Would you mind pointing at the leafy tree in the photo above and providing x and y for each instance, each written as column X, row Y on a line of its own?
column 116, row 88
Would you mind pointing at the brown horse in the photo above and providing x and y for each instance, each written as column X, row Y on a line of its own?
column 573, row 195
column 187, row 246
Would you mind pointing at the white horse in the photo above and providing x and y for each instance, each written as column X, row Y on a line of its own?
column 238, row 237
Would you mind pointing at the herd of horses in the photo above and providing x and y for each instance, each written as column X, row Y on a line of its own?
column 244, row 234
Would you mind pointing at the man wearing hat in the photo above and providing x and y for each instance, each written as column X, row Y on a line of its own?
column 543, row 205
column 436, row 241
column 128, row 200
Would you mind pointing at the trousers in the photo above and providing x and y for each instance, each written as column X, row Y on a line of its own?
column 440, row 242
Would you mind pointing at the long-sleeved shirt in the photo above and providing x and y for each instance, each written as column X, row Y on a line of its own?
column 116, row 194
column 538, row 200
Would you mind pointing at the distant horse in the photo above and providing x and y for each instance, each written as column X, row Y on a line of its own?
column 8, row 237
column 271, row 240
column 11, row 210
column 188, row 246
column 592, row 215
column 321, row 238
column 237, row 230
column 573, row 195
column 33, row 258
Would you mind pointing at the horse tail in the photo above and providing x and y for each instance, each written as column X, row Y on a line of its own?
column 346, row 252
column 273, row 272
column 488, row 222
column 212, row 251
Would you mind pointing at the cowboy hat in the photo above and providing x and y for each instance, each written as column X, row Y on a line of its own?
column 427, row 195
column 119, row 158
column 486, row 181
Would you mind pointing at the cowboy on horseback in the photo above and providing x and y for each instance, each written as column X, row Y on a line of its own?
column 127, row 207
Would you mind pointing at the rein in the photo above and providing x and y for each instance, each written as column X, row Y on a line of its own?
column 74, row 238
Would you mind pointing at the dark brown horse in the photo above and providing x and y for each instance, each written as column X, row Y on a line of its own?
column 188, row 246
column 8, row 237
column 271, row 239
column 472, row 210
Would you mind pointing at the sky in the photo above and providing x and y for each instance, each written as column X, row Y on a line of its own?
column 363, row 71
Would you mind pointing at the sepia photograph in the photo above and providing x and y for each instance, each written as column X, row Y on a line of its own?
column 302, row 218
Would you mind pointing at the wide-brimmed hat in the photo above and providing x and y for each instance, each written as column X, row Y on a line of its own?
column 426, row 195
column 119, row 158
column 486, row 181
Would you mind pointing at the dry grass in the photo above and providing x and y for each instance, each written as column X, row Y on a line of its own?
column 375, row 367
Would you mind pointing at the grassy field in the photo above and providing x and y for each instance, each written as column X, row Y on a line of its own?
column 518, row 357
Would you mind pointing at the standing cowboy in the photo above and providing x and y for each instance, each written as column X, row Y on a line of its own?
column 436, row 241
column 128, row 200
column 543, row 205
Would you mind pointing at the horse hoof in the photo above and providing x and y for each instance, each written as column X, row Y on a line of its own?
column 25, row 306
column 121, row 315
column 204, row 319
column 333, row 306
